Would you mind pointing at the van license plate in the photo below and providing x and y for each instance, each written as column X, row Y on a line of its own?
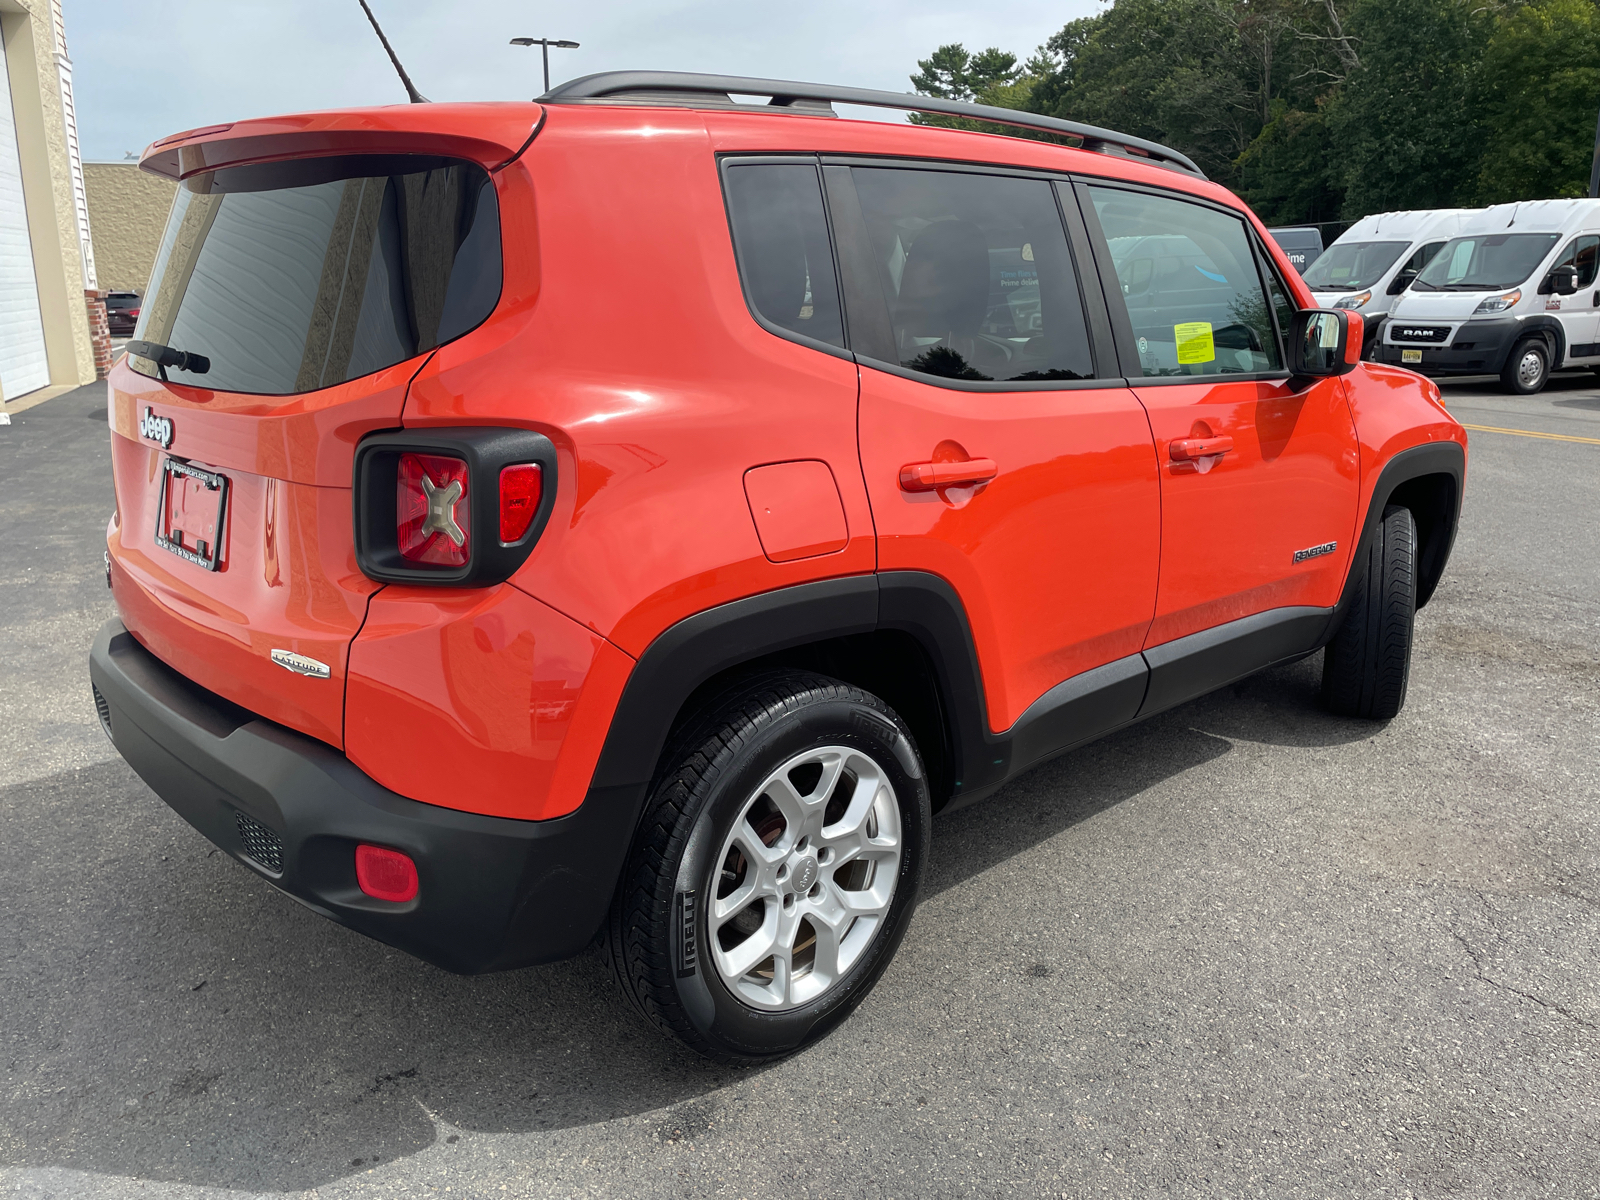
column 1411, row 356
column 190, row 519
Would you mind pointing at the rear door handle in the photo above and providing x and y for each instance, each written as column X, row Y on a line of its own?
column 926, row 476
column 1189, row 449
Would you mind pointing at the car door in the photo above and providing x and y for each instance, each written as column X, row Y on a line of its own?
column 1579, row 313
column 1000, row 449
column 1259, row 472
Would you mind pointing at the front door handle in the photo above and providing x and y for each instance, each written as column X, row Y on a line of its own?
column 927, row 476
column 1189, row 449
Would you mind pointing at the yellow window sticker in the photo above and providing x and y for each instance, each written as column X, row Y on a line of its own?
column 1195, row 344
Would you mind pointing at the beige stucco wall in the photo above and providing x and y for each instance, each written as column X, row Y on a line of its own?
column 127, row 212
column 47, row 188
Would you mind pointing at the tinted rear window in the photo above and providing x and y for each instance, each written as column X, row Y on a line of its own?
column 780, row 235
column 293, row 277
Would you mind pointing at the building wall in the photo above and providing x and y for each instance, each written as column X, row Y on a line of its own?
column 127, row 212
column 30, row 36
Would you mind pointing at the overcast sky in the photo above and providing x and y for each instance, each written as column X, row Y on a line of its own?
column 145, row 68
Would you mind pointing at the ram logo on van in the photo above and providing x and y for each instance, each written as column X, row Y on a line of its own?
column 157, row 429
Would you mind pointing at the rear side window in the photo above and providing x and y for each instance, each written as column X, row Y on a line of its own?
column 298, row 276
column 780, row 236
column 1189, row 279
column 977, row 275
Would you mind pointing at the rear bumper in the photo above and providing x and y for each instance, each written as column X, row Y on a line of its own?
column 1478, row 348
column 494, row 893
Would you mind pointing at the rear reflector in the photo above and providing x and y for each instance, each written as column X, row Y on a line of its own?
column 432, row 510
column 385, row 874
column 521, row 489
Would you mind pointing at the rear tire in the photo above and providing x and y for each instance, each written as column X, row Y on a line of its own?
column 1367, row 665
column 1527, row 369
column 775, row 869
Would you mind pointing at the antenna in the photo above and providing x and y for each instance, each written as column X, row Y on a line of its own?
column 411, row 88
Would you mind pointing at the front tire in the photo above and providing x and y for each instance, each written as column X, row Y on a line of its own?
column 775, row 870
column 1367, row 666
column 1527, row 369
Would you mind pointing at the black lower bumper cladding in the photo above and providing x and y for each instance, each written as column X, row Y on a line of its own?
column 494, row 893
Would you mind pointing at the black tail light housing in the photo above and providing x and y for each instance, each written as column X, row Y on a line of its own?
column 486, row 453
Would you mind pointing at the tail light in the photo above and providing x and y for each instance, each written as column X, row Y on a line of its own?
column 429, row 503
column 521, row 489
column 433, row 513
column 134, row 313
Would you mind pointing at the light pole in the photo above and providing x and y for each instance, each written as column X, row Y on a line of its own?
column 546, row 43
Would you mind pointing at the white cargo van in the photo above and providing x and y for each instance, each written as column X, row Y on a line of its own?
column 1513, row 295
column 1376, row 259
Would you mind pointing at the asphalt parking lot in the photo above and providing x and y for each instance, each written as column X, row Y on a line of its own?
column 1245, row 949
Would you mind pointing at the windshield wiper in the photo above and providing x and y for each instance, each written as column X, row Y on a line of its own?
column 166, row 356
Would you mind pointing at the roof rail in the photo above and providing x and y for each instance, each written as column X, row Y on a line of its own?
column 700, row 91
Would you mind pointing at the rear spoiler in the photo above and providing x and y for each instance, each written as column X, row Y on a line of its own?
column 491, row 135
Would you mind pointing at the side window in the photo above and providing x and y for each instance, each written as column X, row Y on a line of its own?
column 1189, row 280
column 1413, row 267
column 1582, row 254
column 976, row 273
column 780, row 237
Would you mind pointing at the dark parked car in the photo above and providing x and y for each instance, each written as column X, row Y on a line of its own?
column 1302, row 245
column 122, row 312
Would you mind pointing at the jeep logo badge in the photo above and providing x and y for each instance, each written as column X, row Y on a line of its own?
column 157, row 429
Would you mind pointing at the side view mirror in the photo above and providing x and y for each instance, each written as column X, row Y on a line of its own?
column 1325, row 342
column 1562, row 280
column 1401, row 282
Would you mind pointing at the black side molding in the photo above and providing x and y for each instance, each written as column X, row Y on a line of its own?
column 925, row 607
column 701, row 646
column 1191, row 666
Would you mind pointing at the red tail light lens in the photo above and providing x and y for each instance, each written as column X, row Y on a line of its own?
column 432, row 521
column 521, row 489
column 134, row 313
column 385, row 874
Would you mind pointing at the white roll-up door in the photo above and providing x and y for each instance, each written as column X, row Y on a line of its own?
column 23, row 366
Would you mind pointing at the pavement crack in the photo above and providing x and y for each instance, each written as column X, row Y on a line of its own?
column 1483, row 977
column 1572, row 895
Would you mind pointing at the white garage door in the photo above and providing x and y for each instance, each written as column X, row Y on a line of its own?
column 23, row 367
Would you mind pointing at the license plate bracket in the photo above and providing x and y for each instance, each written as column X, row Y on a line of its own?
column 1411, row 356
column 191, row 517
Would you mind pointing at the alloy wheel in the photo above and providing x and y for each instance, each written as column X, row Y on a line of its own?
column 805, row 878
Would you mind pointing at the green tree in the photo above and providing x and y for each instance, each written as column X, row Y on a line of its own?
column 992, row 77
column 1322, row 109
column 1539, row 89
column 1288, row 173
column 1204, row 76
column 951, row 73
column 1403, row 133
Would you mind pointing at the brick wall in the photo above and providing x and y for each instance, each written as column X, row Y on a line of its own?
column 99, row 332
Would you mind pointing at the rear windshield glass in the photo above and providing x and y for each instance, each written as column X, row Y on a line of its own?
column 1351, row 266
column 1484, row 263
column 293, row 277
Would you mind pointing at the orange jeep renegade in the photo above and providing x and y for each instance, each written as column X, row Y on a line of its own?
column 631, row 515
